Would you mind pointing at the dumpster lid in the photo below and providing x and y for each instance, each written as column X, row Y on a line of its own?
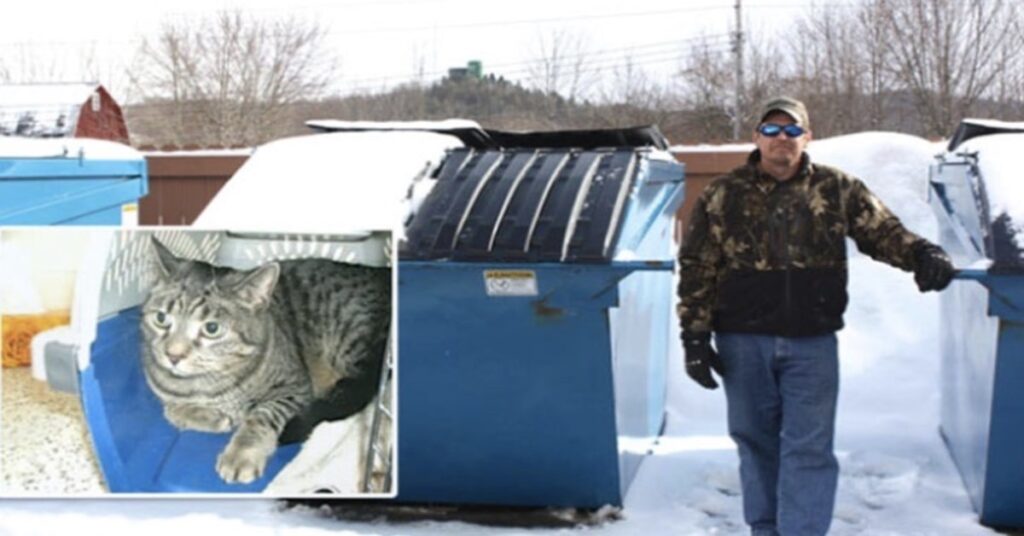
column 527, row 205
column 973, row 128
column 473, row 135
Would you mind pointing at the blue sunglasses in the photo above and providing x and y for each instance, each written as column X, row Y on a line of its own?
column 771, row 130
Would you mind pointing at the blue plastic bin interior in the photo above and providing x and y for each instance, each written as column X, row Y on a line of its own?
column 68, row 190
column 544, row 400
column 982, row 344
column 139, row 451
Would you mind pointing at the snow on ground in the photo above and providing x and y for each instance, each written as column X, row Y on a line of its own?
column 897, row 478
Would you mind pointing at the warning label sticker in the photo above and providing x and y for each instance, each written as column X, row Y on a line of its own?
column 510, row 282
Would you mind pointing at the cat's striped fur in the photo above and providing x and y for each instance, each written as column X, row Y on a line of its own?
column 225, row 349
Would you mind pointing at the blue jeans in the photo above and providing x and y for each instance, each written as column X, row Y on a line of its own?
column 781, row 395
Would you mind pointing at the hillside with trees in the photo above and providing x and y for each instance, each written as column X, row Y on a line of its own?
column 913, row 66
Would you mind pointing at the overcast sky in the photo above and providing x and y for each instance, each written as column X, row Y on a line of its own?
column 382, row 42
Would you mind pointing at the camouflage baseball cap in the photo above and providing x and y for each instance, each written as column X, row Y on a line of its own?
column 789, row 106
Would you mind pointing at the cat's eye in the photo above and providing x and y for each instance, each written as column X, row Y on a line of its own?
column 212, row 329
column 161, row 319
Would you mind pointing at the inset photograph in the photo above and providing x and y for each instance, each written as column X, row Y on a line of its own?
column 197, row 362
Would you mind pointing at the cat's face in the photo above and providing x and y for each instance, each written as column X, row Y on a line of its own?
column 200, row 320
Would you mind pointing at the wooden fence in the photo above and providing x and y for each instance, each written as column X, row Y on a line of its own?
column 180, row 186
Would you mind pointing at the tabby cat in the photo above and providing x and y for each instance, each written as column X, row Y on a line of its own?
column 296, row 340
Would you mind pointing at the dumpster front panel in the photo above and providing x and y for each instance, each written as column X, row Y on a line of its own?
column 68, row 191
column 1004, row 479
column 506, row 399
column 590, row 227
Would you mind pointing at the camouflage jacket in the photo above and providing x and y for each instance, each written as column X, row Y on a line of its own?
column 764, row 256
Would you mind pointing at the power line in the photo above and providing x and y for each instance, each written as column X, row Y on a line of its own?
column 594, row 55
column 618, row 63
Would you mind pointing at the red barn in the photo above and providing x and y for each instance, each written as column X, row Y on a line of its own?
column 72, row 110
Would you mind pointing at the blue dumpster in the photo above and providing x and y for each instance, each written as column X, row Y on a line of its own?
column 78, row 182
column 982, row 324
column 535, row 292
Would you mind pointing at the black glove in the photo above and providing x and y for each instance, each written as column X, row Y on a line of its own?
column 701, row 358
column 933, row 269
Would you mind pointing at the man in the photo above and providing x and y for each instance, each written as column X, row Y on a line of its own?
column 763, row 265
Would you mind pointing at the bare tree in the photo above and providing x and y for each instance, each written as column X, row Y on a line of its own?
column 228, row 80
column 631, row 97
column 949, row 53
column 562, row 64
column 28, row 63
column 830, row 67
column 765, row 73
column 873, row 36
column 705, row 85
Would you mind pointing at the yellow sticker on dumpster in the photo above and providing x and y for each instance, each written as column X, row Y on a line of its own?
column 510, row 282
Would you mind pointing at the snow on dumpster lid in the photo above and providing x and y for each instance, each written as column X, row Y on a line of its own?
column 332, row 182
column 999, row 165
column 17, row 147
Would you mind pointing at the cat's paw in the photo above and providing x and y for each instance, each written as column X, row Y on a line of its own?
column 198, row 418
column 241, row 463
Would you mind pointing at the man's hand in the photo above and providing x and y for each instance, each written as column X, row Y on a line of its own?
column 933, row 270
column 701, row 359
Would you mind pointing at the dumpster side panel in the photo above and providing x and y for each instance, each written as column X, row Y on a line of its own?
column 642, row 324
column 1004, row 481
column 641, row 328
column 968, row 369
column 505, row 399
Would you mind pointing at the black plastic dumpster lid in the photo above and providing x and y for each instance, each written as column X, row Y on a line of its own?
column 972, row 128
column 550, row 204
column 476, row 137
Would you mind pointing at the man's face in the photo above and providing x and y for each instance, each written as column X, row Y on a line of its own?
column 781, row 150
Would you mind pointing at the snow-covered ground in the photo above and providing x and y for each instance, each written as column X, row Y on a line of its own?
column 897, row 478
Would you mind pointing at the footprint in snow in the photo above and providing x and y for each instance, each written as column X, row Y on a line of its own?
column 879, row 480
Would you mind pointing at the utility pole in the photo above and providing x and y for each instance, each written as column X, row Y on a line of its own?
column 737, row 49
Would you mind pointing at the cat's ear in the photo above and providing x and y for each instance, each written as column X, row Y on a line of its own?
column 168, row 263
column 258, row 285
